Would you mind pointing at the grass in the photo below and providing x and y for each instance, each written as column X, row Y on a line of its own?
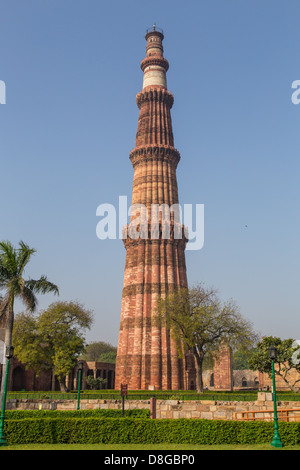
column 144, row 447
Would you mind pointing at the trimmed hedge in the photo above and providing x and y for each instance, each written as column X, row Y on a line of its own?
column 97, row 413
column 137, row 430
column 241, row 395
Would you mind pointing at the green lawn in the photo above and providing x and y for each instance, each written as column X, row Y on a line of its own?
column 145, row 447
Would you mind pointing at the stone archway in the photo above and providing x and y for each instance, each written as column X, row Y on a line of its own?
column 18, row 379
column 244, row 382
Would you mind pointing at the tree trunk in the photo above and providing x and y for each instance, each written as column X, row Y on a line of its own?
column 52, row 381
column 199, row 362
column 7, row 344
column 9, row 327
column 62, row 383
column 293, row 386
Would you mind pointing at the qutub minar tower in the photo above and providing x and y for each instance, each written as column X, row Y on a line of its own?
column 147, row 356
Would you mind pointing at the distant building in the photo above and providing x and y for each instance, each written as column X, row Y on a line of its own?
column 21, row 378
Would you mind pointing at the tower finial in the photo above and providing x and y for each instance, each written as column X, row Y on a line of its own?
column 154, row 65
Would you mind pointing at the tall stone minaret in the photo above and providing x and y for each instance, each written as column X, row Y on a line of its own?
column 155, row 262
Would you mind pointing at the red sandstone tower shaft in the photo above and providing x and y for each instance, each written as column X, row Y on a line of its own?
column 155, row 264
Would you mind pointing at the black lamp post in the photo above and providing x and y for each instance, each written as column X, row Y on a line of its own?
column 80, row 367
column 276, row 438
column 8, row 354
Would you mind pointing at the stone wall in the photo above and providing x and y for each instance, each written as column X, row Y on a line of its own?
column 293, row 377
column 85, row 404
column 211, row 409
column 243, row 379
column 201, row 409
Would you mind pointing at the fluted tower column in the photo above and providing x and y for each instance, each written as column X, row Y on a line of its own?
column 155, row 263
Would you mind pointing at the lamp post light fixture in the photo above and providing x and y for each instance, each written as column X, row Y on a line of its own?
column 80, row 368
column 8, row 354
column 276, row 438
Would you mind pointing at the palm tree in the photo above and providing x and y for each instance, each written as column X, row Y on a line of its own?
column 12, row 265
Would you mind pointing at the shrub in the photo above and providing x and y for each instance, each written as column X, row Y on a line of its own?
column 97, row 413
column 141, row 430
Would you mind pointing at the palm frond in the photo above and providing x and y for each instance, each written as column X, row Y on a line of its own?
column 24, row 254
column 8, row 256
column 5, row 275
column 42, row 286
column 29, row 298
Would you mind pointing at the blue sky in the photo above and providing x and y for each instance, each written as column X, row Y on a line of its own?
column 72, row 71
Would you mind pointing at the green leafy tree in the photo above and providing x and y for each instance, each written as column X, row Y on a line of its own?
column 287, row 361
column 54, row 339
column 199, row 321
column 109, row 357
column 13, row 262
column 99, row 351
column 241, row 358
column 95, row 384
